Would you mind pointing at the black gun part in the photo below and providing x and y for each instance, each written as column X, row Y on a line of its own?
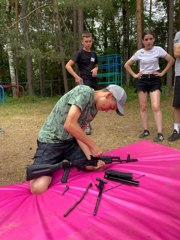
column 65, row 190
column 109, row 159
column 100, row 186
column 126, row 181
column 35, row 171
column 120, row 177
column 114, row 173
column 76, row 203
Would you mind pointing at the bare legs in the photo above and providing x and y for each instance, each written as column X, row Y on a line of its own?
column 155, row 104
column 143, row 108
column 177, row 115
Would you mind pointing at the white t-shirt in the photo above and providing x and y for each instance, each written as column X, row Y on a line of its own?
column 177, row 63
column 149, row 59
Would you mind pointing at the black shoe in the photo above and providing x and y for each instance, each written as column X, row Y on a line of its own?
column 175, row 135
column 158, row 138
column 144, row 134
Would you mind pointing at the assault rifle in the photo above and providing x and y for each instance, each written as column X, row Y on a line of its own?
column 35, row 171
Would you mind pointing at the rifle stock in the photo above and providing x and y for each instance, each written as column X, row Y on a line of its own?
column 35, row 171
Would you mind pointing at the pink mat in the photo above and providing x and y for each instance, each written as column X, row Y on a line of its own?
column 150, row 211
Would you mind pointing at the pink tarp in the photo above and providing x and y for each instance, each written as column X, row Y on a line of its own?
column 150, row 211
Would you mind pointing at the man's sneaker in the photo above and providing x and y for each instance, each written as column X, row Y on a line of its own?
column 158, row 138
column 144, row 134
column 175, row 135
column 88, row 130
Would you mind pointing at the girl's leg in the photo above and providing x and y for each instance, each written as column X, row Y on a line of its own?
column 155, row 104
column 143, row 108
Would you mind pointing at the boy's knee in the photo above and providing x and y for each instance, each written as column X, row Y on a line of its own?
column 40, row 185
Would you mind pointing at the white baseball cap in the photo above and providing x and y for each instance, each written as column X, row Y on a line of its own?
column 120, row 95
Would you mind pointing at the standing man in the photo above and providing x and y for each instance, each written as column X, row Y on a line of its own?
column 176, row 98
column 87, row 62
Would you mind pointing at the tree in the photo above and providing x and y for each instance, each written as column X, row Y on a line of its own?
column 9, row 49
column 126, row 31
column 29, row 65
column 59, row 46
column 170, row 6
column 139, row 11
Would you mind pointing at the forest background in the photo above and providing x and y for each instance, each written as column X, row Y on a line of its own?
column 37, row 37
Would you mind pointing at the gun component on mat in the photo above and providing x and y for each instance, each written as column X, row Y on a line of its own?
column 100, row 186
column 123, row 177
column 76, row 203
column 65, row 190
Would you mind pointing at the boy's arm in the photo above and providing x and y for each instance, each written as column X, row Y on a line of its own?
column 72, row 126
column 94, row 71
column 69, row 68
column 88, row 153
column 177, row 50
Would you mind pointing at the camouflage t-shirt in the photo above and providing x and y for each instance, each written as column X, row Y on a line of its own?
column 53, row 130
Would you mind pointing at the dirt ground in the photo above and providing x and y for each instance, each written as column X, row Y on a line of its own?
column 21, row 123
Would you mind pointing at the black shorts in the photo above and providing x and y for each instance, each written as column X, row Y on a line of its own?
column 52, row 153
column 148, row 83
column 176, row 97
column 91, row 82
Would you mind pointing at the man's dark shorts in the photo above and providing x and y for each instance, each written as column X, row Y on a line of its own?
column 52, row 153
column 148, row 83
column 176, row 97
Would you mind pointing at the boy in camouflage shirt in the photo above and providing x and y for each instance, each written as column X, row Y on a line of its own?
column 62, row 135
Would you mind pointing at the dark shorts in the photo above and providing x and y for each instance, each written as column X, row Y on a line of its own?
column 148, row 83
column 52, row 153
column 176, row 97
column 91, row 82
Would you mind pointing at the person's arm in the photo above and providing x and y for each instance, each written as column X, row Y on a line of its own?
column 69, row 68
column 170, row 62
column 72, row 126
column 129, row 69
column 94, row 71
column 177, row 50
column 88, row 153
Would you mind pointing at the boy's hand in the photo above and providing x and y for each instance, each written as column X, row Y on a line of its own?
column 99, row 167
column 96, row 151
column 94, row 72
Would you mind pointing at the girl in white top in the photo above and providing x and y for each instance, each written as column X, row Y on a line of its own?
column 148, row 80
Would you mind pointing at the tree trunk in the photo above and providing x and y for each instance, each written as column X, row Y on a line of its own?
column 139, row 10
column 126, row 37
column 75, row 46
column 80, row 23
column 169, row 79
column 17, row 39
column 11, row 67
column 60, row 47
column 10, row 52
column 29, row 65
